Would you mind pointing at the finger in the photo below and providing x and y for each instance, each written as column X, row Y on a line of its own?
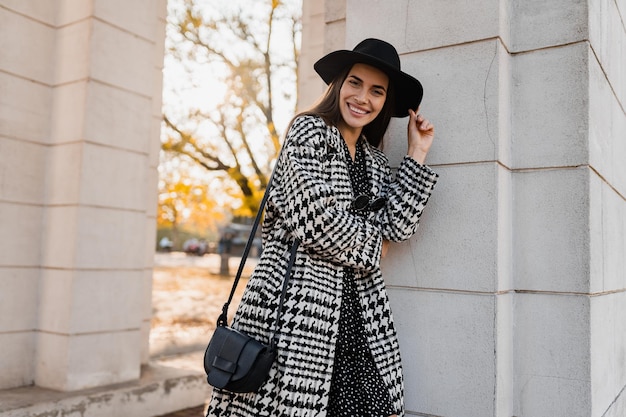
column 424, row 124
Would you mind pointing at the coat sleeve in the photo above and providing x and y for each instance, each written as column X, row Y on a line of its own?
column 307, row 205
column 406, row 199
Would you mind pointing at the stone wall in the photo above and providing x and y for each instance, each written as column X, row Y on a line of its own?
column 510, row 299
column 80, row 112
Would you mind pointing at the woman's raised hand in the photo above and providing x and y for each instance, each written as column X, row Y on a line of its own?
column 420, row 136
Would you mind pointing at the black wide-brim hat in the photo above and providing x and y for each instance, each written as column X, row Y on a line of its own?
column 382, row 55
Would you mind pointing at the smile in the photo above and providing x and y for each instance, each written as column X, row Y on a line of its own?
column 356, row 109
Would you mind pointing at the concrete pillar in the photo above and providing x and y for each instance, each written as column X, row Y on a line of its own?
column 80, row 111
column 510, row 299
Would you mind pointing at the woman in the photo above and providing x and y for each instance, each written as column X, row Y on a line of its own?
column 333, row 191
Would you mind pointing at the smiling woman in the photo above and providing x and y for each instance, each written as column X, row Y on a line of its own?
column 362, row 97
column 333, row 192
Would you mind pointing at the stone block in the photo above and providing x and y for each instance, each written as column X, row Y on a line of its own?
column 434, row 24
column 73, row 48
column 145, row 341
column 537, row 25
column 154, row 144
column 24, row 109
column 139, row 17
column 504, row 351
column 60, row 240
column 161, row 9
column 118, row 118
column 551, row 230
column 65, row 163
column 43, row 10
column 462, row 99
column 16, row 361
column 550, row 107
column 145, row 298
column 120, row 59
column 608, row 39
column 18, row 59
column 93, row 238
column 158, row 49
column 71, row 11
column 113, row 177
column 335, row 37
column 608, row 352
column 69, row 363
column 68, row 112
column 447, row 345
column 151, row 244
column 413, row 25
column 607, row 221
column 97, row 175
column 157, row 102
column 107, row 301
column 552, row 363
column 21, row 225
column 617, row 408
column 23, row 164
column 152, row 195
column 79, row 301
column 18, row 299
column 363, row 20
column 456, row 245
column 56, row 300
column 607, row 124
column 334, row 10
column 161, row 390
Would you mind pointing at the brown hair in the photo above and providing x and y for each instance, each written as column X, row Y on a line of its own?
column 327, row 107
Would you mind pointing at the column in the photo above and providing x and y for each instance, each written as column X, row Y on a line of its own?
column 98, row 224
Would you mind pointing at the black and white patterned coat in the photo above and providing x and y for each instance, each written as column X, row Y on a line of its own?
column 310, row 200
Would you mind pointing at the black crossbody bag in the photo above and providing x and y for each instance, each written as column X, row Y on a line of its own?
column 234, row 361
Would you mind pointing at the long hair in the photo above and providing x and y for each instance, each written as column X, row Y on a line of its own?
column 327, row 107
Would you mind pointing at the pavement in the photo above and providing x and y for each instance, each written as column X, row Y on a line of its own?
column 186, row 304
column 190, row 412
column 188, row 295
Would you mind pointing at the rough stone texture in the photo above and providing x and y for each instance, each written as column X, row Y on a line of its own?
column 143, row 398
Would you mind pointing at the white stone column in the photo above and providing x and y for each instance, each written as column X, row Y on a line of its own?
column 82, row 125
column 510, row 299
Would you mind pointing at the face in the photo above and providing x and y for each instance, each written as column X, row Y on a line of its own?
column 361, row 98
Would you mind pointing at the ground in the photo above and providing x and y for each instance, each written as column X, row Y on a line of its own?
column 187, row 298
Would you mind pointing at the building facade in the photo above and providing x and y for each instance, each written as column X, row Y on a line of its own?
column 510, row 299
column 80, row 117
column 508, row 302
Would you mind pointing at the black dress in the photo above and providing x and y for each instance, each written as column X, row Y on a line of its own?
column 357, row 389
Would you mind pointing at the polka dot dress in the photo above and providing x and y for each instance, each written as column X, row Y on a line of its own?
column 357, row 389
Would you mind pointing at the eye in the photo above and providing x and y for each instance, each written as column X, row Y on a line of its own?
column 379, row 92
column 353, row 83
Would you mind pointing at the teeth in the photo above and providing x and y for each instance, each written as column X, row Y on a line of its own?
column 354, row 109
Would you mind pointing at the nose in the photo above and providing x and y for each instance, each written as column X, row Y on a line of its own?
column 360, row 98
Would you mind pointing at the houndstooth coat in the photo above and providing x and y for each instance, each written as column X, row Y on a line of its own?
column 310, row 200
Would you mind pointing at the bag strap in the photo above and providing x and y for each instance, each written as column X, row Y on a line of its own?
column 292, row 258
column 223, row 318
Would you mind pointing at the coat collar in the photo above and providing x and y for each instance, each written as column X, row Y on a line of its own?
column 375, row 168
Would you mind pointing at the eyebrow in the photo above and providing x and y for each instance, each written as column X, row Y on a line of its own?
column 375, row 86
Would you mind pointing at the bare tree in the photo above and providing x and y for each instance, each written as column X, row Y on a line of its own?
column 239, row 137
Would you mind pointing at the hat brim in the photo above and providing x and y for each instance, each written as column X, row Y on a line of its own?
column 408, row 90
